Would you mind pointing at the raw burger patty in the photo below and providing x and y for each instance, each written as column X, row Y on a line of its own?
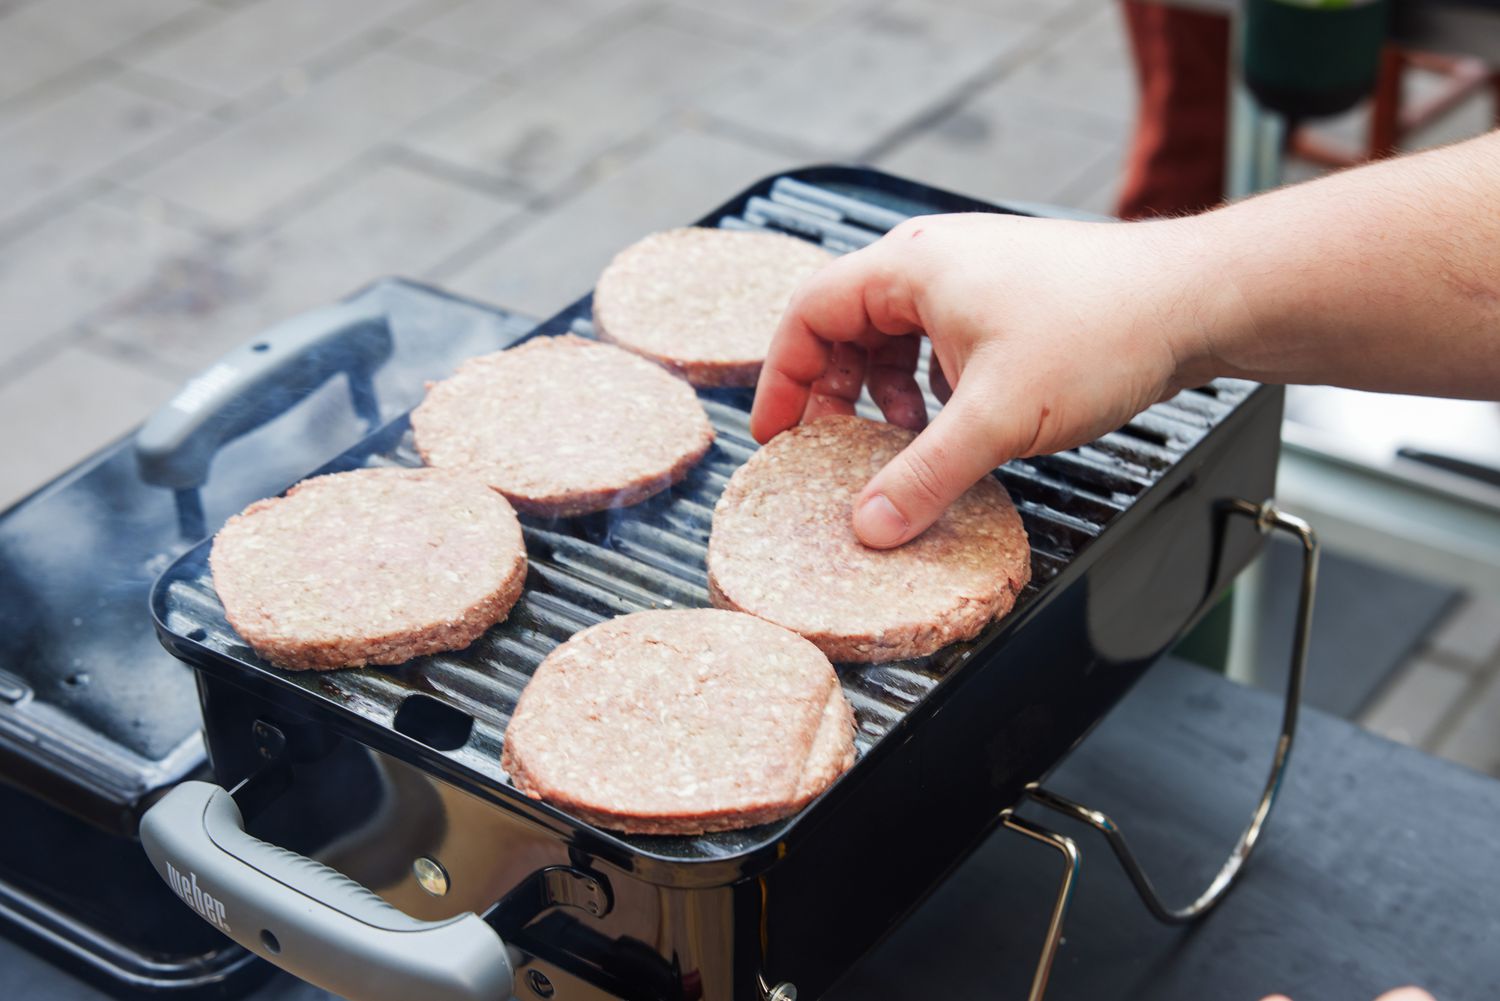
column 680, row 722
column 564, row 426
column 703, row 302
column 376, row 566
column 783, row 548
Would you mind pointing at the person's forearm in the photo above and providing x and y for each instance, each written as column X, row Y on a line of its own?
column 1051, row 333
column 1383, row 278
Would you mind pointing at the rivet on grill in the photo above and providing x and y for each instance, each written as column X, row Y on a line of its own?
column 270, row 742
column 539, row 983
column 431, row 876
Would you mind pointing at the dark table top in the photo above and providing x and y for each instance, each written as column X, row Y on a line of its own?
column 1380, row 868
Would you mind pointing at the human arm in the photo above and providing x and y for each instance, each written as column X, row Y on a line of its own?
column 1052, row 333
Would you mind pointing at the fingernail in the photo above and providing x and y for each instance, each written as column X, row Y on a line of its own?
column 878, row 523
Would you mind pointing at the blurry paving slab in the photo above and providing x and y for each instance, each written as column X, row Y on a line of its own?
column 83, row 260
column 389, row 92
column 255, row 165
column 1000, row 146
column 1098, row 190
column 1058, row 11
column 76, row 402
column 1471, row 634
column 88, row 27
column 1416, row 702
column 1476, row 740
column 1084, row 69
column 250, row 168
column 782, row 15
column 75, row 137
column 1368, row 622
column 251, row 46
column 1473, row 117
column 26, row 63
column 172, row 91
column 496, row 36
column 846, row 89
column 387, row 220
column 564, row 115
column 781, row 25
column 552, row 260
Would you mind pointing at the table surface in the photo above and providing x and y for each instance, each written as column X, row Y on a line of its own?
column 1378, row 869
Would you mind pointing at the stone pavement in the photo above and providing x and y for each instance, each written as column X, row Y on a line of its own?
column 178, row 174
column 1446, row 699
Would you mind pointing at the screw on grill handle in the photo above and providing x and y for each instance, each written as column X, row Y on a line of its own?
column 309, row 919
column 253, row 384
column 1267, row 519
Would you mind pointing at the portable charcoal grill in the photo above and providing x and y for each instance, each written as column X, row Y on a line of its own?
column 392, row 777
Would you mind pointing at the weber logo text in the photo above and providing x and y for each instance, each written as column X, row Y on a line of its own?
column 197, row 897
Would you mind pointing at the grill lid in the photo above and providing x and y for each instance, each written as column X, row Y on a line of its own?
column 651, row 555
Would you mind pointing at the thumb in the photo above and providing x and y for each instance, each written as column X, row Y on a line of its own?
column 968, row 438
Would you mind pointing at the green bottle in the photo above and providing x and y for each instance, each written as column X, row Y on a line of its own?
column 1306, row 58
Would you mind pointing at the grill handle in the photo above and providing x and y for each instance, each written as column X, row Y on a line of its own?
column 253, row 384
column 309, row 919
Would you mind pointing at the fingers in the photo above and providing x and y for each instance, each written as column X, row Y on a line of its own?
column 967, row 439
column 1399, row 994
column 893, row 382
column 780, row 401
column 839, row 387
column 937, row 379
column 860, row 296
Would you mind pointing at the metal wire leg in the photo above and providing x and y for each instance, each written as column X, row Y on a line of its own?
column 1072, row 859
column 1267, row 519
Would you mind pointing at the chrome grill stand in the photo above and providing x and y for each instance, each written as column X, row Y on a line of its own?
column 1267, row 519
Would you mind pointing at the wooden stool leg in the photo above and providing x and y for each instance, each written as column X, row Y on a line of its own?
column 1389, row 121
column 1385, row 110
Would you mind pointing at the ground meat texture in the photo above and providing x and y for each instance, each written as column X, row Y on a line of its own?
column 680, row 722
column 783, row 548
column 564, row 426
column 703, row 302
column 376, row 566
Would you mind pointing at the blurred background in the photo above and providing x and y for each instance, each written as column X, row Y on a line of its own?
column 179, row 174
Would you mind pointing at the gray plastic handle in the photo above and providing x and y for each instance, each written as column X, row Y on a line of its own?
column 261, row 380
column 310, row 920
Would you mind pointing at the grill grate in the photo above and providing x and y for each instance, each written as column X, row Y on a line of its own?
column 651, row 555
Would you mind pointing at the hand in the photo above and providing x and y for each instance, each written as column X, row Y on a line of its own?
column 1049, row 334
column 1399, row 994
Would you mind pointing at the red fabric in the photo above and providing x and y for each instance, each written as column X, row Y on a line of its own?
column 1177, row 156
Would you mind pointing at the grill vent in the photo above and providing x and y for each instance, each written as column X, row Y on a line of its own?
column 652, row 555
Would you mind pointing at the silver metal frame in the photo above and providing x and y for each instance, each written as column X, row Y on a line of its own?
column 1073, row 860
column 1267, row 519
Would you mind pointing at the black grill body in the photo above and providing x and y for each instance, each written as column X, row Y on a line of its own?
column 369, row 769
